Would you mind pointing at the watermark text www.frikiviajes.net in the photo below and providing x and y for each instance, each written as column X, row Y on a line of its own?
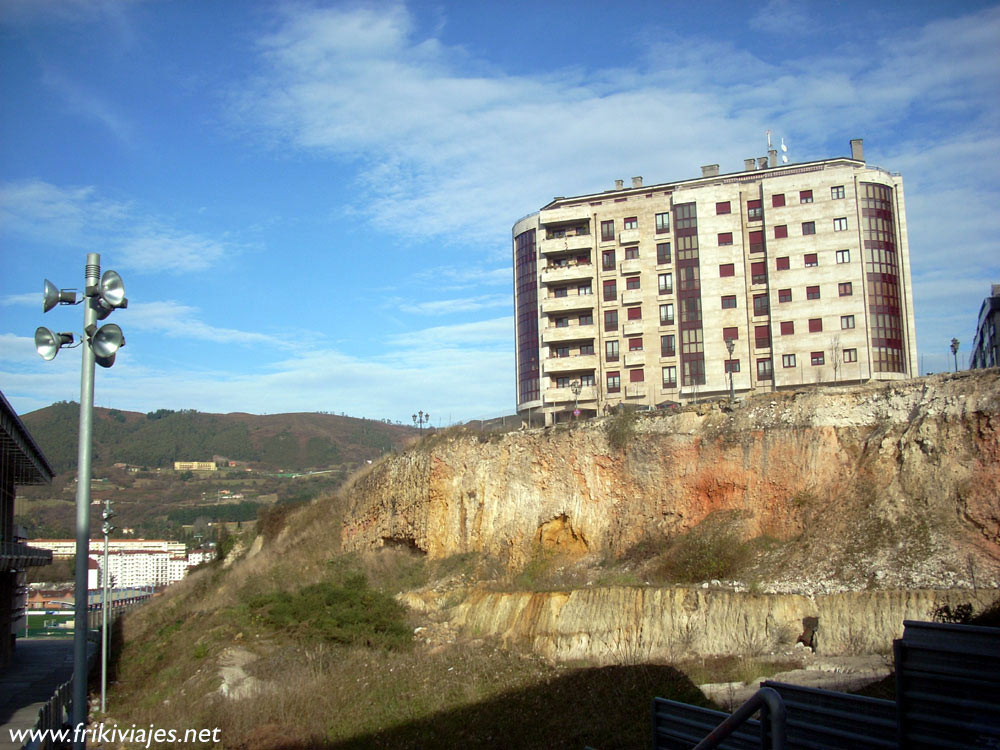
column 99, row 733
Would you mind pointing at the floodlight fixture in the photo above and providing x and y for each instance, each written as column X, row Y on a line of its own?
column 52, row 296
column 107, row 340
column 48, row 342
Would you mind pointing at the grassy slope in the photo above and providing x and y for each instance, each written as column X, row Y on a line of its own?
column 323, row 694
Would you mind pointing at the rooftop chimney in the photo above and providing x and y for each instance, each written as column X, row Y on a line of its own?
column 619, row 184
column 772, row 157
column 761, row 162
column 710, row 170
column 749, row 165
column 857, row 149
column 636, row 182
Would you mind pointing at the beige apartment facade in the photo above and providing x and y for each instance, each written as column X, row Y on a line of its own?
column 633, row 295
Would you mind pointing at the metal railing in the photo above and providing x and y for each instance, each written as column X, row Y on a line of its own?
column 55, row 714
column 677, row 725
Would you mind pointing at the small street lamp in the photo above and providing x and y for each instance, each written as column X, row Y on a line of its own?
column 576, row 386
column 102, row 295
column 954, row 352
column 731, row 345
column 420, row 419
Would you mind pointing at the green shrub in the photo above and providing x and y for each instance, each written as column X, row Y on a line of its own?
column 712, row 550
column 349, row 612
column 620, row 428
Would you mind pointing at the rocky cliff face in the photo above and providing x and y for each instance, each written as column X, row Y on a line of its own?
column 877, row 486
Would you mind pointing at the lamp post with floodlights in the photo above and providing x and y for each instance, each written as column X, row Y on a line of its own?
column 102, row 295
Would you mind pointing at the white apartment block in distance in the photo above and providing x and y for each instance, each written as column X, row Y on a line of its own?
column 631, row 295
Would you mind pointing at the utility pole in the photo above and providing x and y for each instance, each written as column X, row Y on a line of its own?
column 954, row 352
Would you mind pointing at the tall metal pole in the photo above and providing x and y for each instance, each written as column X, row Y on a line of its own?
column 92, row 274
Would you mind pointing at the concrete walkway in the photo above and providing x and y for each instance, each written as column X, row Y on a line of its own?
column 39, row 666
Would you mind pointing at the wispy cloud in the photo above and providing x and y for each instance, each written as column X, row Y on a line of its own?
column 81, row 217
column 177, row 320
column 461, row 305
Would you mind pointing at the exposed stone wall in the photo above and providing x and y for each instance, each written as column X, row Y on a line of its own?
column 882, row 486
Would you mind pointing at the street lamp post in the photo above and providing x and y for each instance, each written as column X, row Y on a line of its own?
column 107, row 528
column 420, row 419
column 101, row 296
column 954, row 352
column 576, row 386
column 731, row 345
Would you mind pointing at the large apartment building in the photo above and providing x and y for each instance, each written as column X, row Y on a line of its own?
column 635, row 295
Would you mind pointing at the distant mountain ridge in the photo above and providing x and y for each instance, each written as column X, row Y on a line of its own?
column 290, row 442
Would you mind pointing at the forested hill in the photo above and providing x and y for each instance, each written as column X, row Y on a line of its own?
column 291, row 442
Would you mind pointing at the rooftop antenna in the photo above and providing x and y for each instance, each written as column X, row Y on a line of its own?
column 784, row 151
column 768, row 133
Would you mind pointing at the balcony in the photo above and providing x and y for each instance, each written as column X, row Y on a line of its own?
column 576, row 363
column 634, row 359
column 635, row 390
column 632, row 328
column 570, row 302
column 630, row 266
column 564, row 214
column 571, row 272
column 555, row 335
column 628, row 237
column 564, row 395
column 565, row 243
column 631, row 296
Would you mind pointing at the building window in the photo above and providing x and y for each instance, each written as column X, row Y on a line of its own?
column 668, row 347
column 586, row 349
column 837, row 192
column 755, row 211
column 846, row 321
column 808, row 227
column 727, row 269
column 788, row 360
column 562, row 322
column 562, row 291
column 758, row 272
column 607, row 230
column 815, row 325
column 812, row 292
column 805, row 196
column 632, row 253
column 586, row 319
column 611, row 350
column 585, row 288
column 662, row 223
column 587, row 380
column 722, row 207
column 732, row 365
column 630, row 223
column 560, row 351
column 635, row 345
column 608, row 260
column 665, row 283
column 637, row 375
column 787, row 328
column 840, row 225
column 632, row 282
column 635, row 313
column 610, row 290
column 667, row 315
column 760, row 304
column 757, row 241
column 843, row 256
column 764, row 371
column 691, row 310
column 614, row 382
column 845, row 288
column 761, row 337
column 817, row 358
column 693, row 372
column 562, row 382
column 725, row 238
column 692, row 341
column 778, row 200
column 732, row 333
column 811, row 260
column 780, row 231
column 610, row 320
column 850, row 355
column 782, row 263
column 784, row 295
column 729, row 302
column 662, row 252
column 670, row 376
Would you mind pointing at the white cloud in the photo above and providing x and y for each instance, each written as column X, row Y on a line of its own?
column 177, row 320
column 81, row 217
column 19, row 300
column 450, row 306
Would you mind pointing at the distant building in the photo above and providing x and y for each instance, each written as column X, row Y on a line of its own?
column 195, row 466
column 21, row 462
column 986, row 346
column 132, row 563
column 630, row 295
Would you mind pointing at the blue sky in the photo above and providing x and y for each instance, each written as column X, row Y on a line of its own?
column 311, row 203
